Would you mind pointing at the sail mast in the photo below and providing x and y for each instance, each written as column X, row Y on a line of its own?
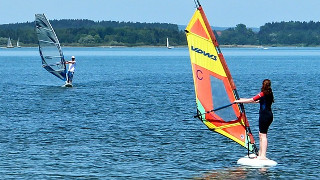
column 197, row 3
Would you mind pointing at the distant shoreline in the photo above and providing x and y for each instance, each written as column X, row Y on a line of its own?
column 180, row 46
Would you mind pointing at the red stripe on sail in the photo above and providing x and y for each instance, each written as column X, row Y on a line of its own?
column 198, row 29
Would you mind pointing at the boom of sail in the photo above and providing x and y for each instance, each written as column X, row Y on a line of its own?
column 49, row 47
column 214, row 87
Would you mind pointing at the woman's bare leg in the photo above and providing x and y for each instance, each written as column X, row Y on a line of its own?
column 263, row 146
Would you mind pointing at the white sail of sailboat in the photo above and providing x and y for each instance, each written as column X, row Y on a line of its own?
column 9, row 44
column 18, row 44
column 168, row 46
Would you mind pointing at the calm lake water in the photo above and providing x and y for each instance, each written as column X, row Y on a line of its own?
column 130, row 115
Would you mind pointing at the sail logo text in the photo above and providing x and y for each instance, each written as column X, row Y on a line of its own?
column 200, row 51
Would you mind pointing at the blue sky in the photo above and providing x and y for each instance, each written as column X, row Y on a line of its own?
column 223, row 13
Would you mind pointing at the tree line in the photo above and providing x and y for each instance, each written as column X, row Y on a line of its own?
column 101, row 33
column 114, row 33
column 292, row 33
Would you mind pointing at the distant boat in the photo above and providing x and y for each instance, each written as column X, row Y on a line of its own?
column 168, row 46
column 18, row 44
column 261, row 47
column 9, row 44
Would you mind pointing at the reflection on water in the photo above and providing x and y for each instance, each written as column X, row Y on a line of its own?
column 236, row 173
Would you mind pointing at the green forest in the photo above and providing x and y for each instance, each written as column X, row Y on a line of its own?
column 103, row 33
column 114, row 33
column 293, row 33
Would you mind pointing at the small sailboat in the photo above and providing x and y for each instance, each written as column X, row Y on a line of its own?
column 215, row 89
column 168, row 46
column 18, row 44
column 49, row 48
column 9, row 44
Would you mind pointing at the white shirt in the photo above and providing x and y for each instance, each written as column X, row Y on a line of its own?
column 72, row 66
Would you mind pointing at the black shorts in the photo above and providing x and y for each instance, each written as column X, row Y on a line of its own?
column 265, row 119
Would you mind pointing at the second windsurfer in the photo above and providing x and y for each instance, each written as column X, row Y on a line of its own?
column 72, row 66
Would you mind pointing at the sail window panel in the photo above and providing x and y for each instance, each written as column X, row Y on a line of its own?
column 47, row 37
column 220, row 98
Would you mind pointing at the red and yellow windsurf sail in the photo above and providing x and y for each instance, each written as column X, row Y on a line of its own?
column 214, row 88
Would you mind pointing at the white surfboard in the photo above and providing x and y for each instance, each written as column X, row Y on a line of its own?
column 253, row 161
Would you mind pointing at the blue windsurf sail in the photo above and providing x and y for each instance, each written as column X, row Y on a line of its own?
column 49, row 47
